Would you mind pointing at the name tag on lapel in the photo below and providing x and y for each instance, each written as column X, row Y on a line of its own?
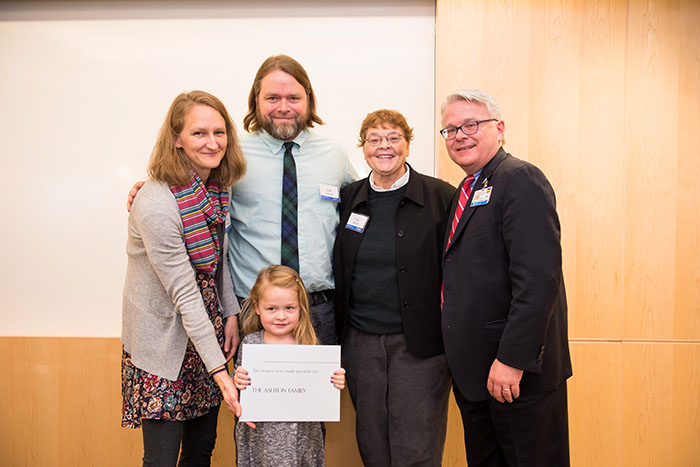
column 357, row 222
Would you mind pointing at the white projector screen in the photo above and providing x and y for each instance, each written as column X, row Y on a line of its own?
column 84, row 89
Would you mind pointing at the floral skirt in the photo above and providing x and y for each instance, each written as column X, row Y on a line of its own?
column 147, row 396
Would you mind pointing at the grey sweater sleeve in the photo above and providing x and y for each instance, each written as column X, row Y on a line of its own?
column 156, row 218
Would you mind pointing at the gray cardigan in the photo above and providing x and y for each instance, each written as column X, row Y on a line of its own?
column 162, row 305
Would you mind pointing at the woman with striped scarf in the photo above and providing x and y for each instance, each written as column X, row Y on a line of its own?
column 179, row 323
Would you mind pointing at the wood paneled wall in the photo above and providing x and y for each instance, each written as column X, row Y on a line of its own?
column 604, row 96
column 60, row 405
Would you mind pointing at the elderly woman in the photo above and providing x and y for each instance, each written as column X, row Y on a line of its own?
column 179, row 323
column 388, row 280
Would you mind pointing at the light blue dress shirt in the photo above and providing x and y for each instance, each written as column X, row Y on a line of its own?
column 476, row 177
column 256, row 208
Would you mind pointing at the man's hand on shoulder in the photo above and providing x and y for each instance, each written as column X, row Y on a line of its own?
column 132, row 194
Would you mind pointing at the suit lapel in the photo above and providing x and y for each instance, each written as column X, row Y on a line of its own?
column 485, row 174
column 360, row 205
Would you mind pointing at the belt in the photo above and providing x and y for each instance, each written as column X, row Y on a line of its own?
column 320, row 297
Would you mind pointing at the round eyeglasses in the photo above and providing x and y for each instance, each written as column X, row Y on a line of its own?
column 468, row 128
column 392, row 138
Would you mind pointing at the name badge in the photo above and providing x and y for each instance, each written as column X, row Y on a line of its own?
column 329, row 192
column 357, row 222
column 481, row 197
column 227, row 223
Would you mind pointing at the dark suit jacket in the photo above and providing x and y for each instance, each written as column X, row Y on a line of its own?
column 504, row 290
column 421, row 221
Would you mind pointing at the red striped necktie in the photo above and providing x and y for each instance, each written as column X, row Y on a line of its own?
column 461, row 204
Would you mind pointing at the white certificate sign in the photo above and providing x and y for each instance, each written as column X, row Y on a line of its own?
column 290, row 383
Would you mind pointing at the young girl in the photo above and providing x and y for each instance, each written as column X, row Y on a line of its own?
column 277, row 312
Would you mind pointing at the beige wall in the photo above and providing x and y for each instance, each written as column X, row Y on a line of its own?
column 604, row 96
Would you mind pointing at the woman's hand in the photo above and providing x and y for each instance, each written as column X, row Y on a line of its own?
column 241, row 378
column 338, row 378
column 231, row 337
column 228, row 389
column 242, row 381
column 132, row 194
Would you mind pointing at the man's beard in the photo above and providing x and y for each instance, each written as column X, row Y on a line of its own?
column 284, row 131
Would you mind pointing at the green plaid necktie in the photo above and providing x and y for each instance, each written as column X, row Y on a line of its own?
column 290, row 244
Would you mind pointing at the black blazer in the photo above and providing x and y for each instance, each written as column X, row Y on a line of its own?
column 504, row 289
column 421, row 221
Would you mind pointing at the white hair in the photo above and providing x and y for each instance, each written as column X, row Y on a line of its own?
column 479, row 97
column 474, row 95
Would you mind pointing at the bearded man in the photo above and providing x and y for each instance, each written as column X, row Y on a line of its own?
column 287, row 158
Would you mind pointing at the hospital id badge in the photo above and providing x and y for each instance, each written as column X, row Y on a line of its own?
column 481, row 197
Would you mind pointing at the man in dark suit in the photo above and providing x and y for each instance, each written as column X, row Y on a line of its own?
column 504, row 317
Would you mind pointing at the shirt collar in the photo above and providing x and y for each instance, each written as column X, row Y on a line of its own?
column 402, row 181
column 476, row 176
column 276, row 145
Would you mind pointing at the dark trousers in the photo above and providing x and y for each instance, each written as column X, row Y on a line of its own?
column 323, row 320
column 400, row 400
column 532, row 431
column 162, row 440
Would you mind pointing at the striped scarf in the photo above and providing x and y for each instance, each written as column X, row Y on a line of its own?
column 201, row 209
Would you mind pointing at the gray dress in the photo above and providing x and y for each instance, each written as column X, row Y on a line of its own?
column 277, row 444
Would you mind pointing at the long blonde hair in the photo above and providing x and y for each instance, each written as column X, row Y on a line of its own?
column 286, row 278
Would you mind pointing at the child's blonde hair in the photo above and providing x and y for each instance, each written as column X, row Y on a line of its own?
column 286, row 278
